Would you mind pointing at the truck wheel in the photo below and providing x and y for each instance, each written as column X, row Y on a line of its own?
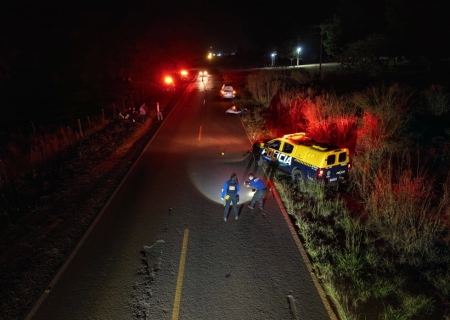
column 298, row 176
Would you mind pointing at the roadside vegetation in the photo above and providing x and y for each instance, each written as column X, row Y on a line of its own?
column 380, row 246
column 53, row 183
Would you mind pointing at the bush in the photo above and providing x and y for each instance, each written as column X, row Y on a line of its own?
column 438, row 100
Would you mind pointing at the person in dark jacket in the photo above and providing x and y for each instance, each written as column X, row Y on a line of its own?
column 130, row 114
column 261, row 189
column 230, row 195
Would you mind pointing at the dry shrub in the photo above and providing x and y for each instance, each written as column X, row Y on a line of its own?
column 438, row 99
column 330, row 119
column 401, row 211
column 301, row 76
column 287, row 118
column 323, row 117
column 383, row 115
column 27, row 154
column 263, row 86
column 364, row 169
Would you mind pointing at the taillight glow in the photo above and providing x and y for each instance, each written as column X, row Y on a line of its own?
column 320, row 174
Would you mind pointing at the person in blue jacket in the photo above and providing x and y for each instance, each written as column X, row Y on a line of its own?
column 261, row 189
column 230, row 195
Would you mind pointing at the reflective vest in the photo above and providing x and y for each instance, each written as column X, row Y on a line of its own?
column 232, row 188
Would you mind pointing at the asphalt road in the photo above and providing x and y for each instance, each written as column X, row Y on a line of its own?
column 160, row 248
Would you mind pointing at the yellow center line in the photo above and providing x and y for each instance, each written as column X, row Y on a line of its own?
column 200, row 133
column 176, row 304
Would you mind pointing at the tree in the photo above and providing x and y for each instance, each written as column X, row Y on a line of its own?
column 332, row 32
column 288, row 50
column 370, row 55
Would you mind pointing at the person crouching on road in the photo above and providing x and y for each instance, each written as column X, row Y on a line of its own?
column 261, row 189
column 230, row 195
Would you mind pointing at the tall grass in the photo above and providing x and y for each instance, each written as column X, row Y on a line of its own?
column 25, row 154
column 331, row 118
column 344, row 250
column 404, row 218
column 384, row 115
column 264, row 85
column 438, row 99
column 325, row 117
column 404, row 211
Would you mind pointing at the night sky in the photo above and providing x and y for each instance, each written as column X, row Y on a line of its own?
column 57, row 52
column 55, row 25
column 54, row 50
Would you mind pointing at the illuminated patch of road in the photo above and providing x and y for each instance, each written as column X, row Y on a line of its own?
column 176, row 304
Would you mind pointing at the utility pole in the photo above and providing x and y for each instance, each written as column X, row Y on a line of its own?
column 320, row 59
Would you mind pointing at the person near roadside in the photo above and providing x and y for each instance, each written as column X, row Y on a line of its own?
column 261, row 190
column 143, row 112
column 159, row 112
column 230, row 194
column 130, row 114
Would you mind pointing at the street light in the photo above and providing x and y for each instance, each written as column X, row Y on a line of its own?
column 298, row 54
column 273, row 59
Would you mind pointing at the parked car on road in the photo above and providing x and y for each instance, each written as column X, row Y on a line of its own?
column 227, row 92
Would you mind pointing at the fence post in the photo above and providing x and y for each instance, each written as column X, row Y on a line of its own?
column 79, row 127
column 70, row 133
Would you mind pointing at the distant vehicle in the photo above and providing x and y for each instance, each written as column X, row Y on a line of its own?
column 184, row 75
column 227, row 92
column 203, row 73
column 168, row 84
column 306, row 159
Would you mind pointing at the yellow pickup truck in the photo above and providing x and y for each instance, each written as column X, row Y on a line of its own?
column 304, row 158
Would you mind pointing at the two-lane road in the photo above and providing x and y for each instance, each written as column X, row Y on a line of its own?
column 160, row 248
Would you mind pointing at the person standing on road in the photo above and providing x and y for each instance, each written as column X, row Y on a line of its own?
column 159, row 112
column 143, row 112
column 230, row 195
column 261, row 189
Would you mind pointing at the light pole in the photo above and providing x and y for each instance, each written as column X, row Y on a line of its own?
column 298, row 54
column 273, row 59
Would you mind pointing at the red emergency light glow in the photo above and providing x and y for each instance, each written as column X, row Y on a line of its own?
column 168, row 80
